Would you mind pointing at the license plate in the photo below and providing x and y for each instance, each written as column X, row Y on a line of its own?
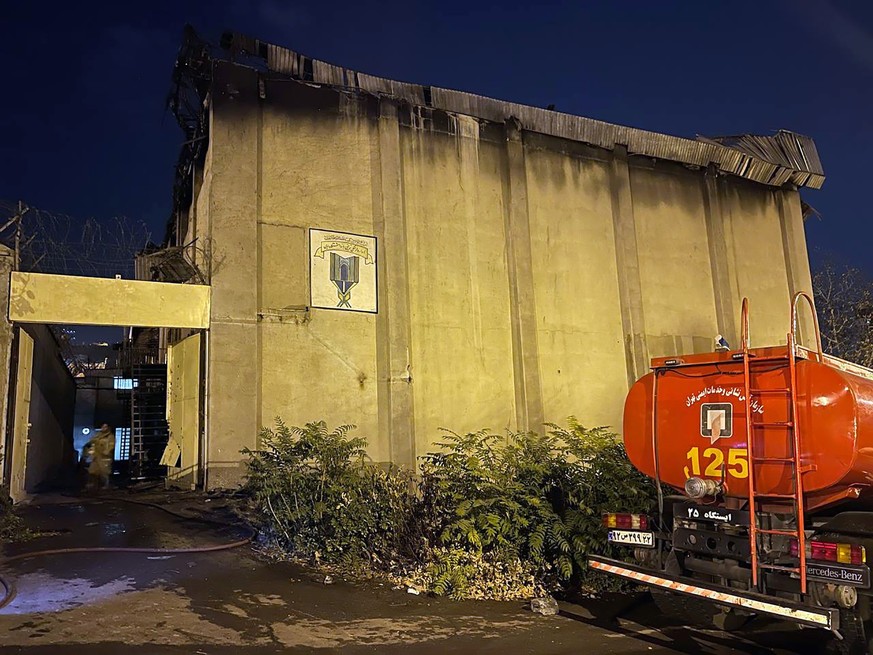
column 632, row 538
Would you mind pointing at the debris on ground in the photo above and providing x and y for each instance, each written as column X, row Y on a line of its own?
column 481, row 577
column 547, row 606
column 413, row 591
column 328, row 579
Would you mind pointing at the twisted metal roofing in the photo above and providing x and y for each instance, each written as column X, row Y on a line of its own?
column 775, row 160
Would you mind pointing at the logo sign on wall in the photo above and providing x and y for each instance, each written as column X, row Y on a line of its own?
column 342, row 271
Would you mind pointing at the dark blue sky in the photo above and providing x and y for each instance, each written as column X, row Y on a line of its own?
column 84, row 130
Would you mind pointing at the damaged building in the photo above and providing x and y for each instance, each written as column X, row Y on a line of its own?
column 409, row 258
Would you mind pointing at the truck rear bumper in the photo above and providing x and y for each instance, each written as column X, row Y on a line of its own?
column 818, row 617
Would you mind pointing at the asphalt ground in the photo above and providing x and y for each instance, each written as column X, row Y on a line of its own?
column 234, row 601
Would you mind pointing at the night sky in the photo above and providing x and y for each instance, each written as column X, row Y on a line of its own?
column 85, row 133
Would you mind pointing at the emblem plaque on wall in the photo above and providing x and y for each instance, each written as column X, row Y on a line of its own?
column 342, row 271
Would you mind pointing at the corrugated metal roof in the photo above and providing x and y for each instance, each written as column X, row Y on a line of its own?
column 774, row 160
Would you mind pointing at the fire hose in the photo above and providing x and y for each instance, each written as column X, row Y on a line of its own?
column 9, row 587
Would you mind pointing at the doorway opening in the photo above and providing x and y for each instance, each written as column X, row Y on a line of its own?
column 121, row 381
column 157, row 372
column 73, row 365
column 70, row 380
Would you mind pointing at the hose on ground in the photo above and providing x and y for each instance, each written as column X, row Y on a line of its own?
column 9, row 587
column 8, row 592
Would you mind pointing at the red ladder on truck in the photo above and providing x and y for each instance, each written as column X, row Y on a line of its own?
column 792, row 460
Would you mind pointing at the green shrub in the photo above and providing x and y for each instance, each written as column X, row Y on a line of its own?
column 602, row 479
column 534, row 498
column 497, row 494
column 12, row 527
column 323, row 499
column 489, row 515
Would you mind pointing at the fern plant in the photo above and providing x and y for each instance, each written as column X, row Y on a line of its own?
column 323, row 498
column 533, row 498
column 598, row 478
column 497, row 492
column 488, row 516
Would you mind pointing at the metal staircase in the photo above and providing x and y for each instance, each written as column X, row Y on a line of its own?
column 148, row 415
column 790, row 461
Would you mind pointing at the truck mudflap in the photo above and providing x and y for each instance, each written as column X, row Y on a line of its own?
column 818, row 617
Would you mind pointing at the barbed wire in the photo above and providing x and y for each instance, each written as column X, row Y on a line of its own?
column 53, row 242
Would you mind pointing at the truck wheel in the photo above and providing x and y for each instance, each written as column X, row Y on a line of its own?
column 856, row 632
column 854, row 641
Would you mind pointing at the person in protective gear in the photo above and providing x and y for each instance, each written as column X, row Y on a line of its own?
column 100, row 449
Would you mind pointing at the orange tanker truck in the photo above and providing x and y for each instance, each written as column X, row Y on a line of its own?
column 764, row 464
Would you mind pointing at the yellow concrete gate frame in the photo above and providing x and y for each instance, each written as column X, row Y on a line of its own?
column 72, row 300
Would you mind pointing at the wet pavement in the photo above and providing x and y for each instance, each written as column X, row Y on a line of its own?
column 233, row 601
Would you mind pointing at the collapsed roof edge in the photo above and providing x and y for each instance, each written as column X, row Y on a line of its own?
column 774, row 160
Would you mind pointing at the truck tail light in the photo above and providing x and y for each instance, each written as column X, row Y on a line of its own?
column 826, row 551
column 626, row 521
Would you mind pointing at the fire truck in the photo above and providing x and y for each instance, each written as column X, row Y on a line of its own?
column 763, row 461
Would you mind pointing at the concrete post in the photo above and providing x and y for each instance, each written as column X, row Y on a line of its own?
column 234, row 353
column 393, row 329
column 7, row 265
column 724, row 280
column 796, row 258
column 522, row 301
column 628, row 267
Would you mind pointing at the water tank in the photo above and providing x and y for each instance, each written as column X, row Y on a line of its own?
column 692, row 411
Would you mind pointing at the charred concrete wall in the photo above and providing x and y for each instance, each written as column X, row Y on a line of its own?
column 522, row 278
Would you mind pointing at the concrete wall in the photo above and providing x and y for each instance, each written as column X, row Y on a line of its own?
column 71, row 299
column 50, row 453
column 6, row 331
column 522, row 278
